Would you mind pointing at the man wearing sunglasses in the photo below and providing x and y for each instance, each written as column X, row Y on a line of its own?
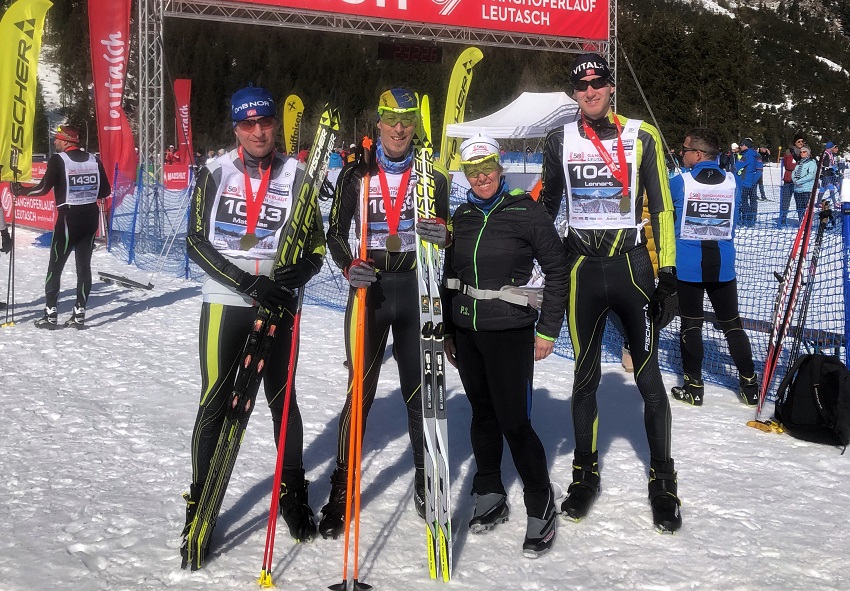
column 608, row 164
column 241, row 204
column 78, row 180
column 389, row 273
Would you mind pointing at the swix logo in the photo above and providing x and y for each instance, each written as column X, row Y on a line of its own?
column 448, row 6
column 22, row 83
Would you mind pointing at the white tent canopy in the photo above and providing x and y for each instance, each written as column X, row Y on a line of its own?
column 530, row 115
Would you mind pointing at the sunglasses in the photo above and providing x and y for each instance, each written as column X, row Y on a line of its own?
column 391, row 118
column 485, row 168
column 597, row 83
column 249, row 124
column 685, row 150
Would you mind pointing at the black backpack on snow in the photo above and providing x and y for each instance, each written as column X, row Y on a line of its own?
column 814, row 397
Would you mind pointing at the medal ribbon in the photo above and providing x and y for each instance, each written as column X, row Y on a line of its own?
column 621, row 171
column 393, row 210
column 253, row 203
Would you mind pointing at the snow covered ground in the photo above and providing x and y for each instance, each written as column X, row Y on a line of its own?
column 95, row 455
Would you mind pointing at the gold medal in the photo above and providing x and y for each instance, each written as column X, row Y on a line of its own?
column 393, row 243
column 248, row 241
column 625, row 204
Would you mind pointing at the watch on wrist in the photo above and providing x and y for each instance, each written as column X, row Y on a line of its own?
column 671, row 270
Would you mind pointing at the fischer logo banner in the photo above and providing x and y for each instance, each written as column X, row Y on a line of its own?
column 109, row 25
column 584, row 19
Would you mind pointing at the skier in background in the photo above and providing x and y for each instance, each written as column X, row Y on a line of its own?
column 705, row 260
column 389, row 273
column 240, row 207
column 610, row 269
column 78, row 180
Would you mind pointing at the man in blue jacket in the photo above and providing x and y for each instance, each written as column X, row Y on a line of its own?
column 749, row 169
column 704, row 200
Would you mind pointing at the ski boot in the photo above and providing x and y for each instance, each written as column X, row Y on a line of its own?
column 691, row 392
column 191, row 499
column 584, row 489
column 294, row 506
column 419, row 492
column 332, row 524
column 77, row 319
column 49, row 319
column 749, row 390
column 491, row 509
column 662, row 497
column 540, row 531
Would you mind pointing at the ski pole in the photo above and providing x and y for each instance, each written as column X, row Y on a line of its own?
column 10, row 283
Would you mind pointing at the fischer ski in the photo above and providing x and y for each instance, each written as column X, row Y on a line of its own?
column 256, row 349
column 786, row 296
column 433, row 362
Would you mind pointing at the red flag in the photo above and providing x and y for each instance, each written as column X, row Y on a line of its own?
column 109, row 26
column 183, row 120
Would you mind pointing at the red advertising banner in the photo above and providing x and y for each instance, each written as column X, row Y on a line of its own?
column 584, row 19
column 109, row 26
column 30, row 212
column 183, row 120
column 175, row 177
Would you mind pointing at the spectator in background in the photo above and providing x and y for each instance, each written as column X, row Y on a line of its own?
column 763, row 156
column 749, row 169
column 804, row 180
column 727, row 160
column 829, row 173
column 672, row 161
column 172, row 156
column 789, row 163
column 352, row 154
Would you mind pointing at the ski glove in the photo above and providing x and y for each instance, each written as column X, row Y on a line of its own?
column 361, row 273
column 664, row 305
column 6, row 244
column 269, row 294
column 297, row 275
column 434, row 230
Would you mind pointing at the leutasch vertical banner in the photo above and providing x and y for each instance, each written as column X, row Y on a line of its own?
column 109, row 27
column 584, row 19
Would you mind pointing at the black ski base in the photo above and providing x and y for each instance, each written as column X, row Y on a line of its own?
column 356, row 586
column 123, row 281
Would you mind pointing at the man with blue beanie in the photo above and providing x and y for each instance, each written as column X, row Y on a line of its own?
column 241, row 206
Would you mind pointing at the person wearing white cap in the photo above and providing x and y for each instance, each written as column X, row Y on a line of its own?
column 608, row 165
column 494, row 336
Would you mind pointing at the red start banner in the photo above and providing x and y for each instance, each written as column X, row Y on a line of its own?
column 584, row 19
column 31, row 212
column 175, row 177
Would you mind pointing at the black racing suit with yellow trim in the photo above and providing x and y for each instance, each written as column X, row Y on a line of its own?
column 224, row 327
column 391, row 303
column 610, row 270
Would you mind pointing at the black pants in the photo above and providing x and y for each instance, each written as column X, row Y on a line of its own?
column 622, row 284
column 75, row 229
column 497, row 369
column 749, row 206
column 724, row 299
column 785, row 194
column 391, row 303
column 223, row 330
column 801, row 200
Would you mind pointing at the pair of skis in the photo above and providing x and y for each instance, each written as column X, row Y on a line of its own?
column 253, row 360
column 433, row 363
column 785, row 304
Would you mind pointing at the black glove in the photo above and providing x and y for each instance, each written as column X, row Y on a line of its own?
column 264, row 291
column 434, row 231
column 297, row 275
column 361, row 273
column 6, row 243
column 664, row 305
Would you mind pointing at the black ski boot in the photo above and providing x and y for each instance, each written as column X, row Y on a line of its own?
column 419, row 492
column 540, row 531
column 332, row 524
column 294, row 506
column 491, row 509
column 582, row 493
column 691, row 392
column 749, row 390
column 191, row 499
column 77, row 319
column 49, row 319
column 662, row 497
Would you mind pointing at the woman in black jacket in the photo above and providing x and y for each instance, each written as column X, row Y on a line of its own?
column 491, row 336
